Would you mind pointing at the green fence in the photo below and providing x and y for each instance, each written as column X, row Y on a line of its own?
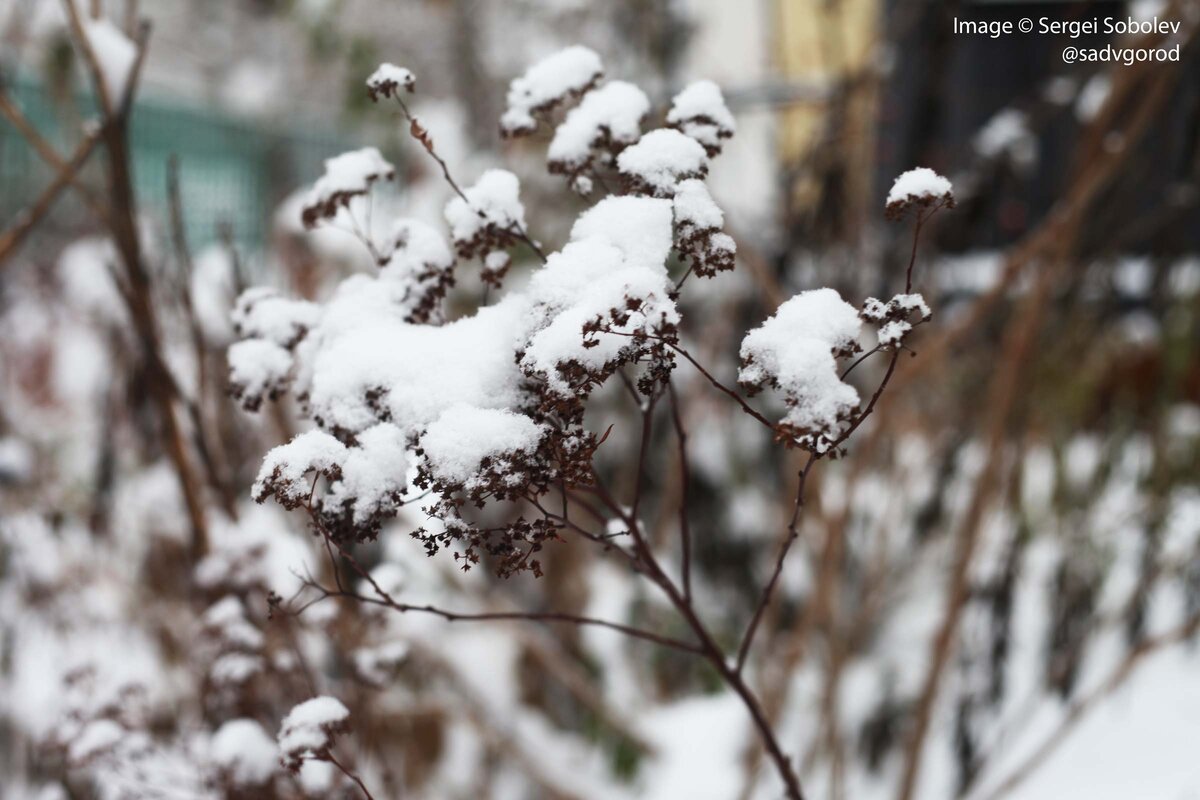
column 232, row 171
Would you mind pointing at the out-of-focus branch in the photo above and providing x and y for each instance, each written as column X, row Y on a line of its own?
column 1079, row 708
column 1003, row 391
column 28, row 219
column 793, row 533
column 123, row 228
column 685, row 532
column 195, row 406
column 51, row 156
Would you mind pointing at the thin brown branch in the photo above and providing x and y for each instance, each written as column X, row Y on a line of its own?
column 29, row 218
column 51, row 156
column 386, row 600
column 362, row 786
column 685, row 532
column 1003, row 390
column 765, row 597
column 711, row 650
column 419, row 133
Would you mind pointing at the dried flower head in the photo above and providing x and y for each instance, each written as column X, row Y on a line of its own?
column 920, row 188
column 699, row 111
column 387, row 81
column 549, row 83
column 895, row 318
column 347, row 176
column 310, row 729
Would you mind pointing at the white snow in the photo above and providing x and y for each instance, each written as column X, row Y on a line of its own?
column 17, row 460
column 97, row 737
column 662, row 158
column 262, row 313
column 493, row 200
column 892, row 333
column 695, row 210
column 373, row 472
column 226, row 618
column 284, row 467
column 547, row 83
column 1008, row 134
column 85, row 269
column 115, row 55
column 414, row 248
column 212, row 292
column 919, row 184
column 611, row 114
column 700, row 112
column 257, row 368
column 346, row 176
column 616, row 254
column 463, row 436
column 235, row 669
column 245, row 752
column 388, row 79
column 363, row 344
column 794, row 350
column 308, row 727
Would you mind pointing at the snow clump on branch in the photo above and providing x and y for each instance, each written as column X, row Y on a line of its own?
column 796, row 352
column 309, row 730
column 919, row 188
column 387, row 81
column 346, row 176
column 699, row 111
column 549, row 83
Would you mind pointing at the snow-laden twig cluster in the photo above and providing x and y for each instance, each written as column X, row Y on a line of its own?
column 490, row 408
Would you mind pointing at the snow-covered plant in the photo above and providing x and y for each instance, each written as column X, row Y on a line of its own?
column 483, row 417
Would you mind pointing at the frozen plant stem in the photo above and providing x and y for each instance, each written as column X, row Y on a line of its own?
column 121, row 217
column 383, row 598
column 418, row 132
column 357, row 780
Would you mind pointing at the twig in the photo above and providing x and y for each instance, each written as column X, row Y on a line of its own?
column 194, row 406
column 350, row 775
column 124, row 231
column 711, row 650
column 51, row 156
column 418, row 132
column 685, row 534
column 30, row 217
column 386, row 600
column 765, row 598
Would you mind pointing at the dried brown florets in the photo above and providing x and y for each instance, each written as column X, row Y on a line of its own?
column 699, row 112
column 421, row 261
column 647, row 344
column 895, row 318
column 347, row 176
column 551, row 82
column 309, row 731
column 285, row 469
column 388, row 80
column 513, row 547
column 559, row 456
column 698, row 235
column 921, row 189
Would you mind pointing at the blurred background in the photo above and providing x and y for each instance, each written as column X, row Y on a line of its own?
column 999, row 583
